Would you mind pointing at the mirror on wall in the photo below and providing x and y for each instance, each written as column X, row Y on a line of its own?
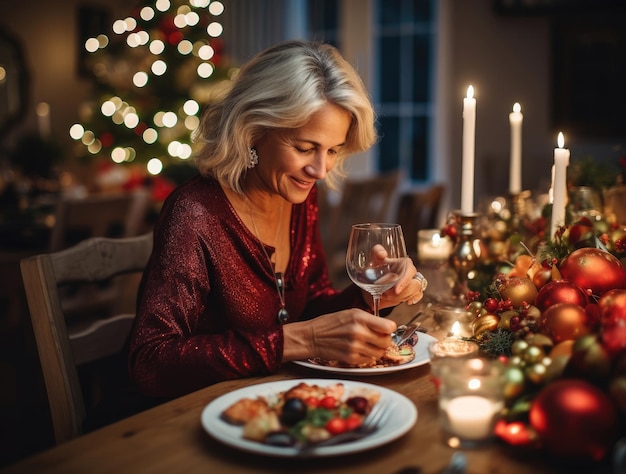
column 13, row 82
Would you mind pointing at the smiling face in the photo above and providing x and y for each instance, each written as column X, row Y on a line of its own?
column 292, row 160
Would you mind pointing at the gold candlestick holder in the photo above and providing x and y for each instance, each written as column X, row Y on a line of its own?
column 518, row 208
column 465, row 254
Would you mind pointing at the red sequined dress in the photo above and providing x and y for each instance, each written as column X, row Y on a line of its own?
column 208, row 305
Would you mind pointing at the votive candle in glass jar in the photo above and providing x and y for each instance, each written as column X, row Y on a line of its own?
column 471, row 399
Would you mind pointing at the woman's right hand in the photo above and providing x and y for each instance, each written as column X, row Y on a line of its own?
column 352, row 336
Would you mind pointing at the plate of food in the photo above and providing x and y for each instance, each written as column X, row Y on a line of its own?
column 278, row 418
column 418, row 356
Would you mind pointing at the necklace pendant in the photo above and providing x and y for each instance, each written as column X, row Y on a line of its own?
column 283, row 316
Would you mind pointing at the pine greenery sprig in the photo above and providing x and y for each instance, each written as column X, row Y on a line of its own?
column 497, row 343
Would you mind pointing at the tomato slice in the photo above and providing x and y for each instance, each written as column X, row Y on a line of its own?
column 353, row 421
column 328, row 402
column 312, row 402
column 336, row 426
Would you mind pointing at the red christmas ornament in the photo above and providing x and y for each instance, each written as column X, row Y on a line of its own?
column 589, row 360
column 560, row 291
column 614, row 338
column 593, row 316
column 580, row 230
column 612, row 307
column 574, row 420
column 564, row 321
column 594, row 269
column 515, row 433
column 541, row 277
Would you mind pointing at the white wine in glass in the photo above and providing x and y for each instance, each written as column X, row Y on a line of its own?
column 376, row 258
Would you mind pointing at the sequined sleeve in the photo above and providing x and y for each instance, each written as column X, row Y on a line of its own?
column 208, row 303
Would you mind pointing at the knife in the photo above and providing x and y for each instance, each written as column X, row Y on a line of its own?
column 404, row 335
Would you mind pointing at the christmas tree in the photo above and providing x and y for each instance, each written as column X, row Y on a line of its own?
column 153, row 74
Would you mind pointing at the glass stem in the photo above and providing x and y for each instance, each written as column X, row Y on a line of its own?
column 376, row 304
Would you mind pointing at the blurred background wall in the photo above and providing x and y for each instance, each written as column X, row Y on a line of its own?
column 504, row 49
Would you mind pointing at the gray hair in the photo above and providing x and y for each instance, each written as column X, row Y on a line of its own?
column 281, row 88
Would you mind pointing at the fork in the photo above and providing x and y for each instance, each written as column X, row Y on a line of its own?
column 374, row 420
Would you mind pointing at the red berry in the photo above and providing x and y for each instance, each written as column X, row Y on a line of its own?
column 515, row 323
column 491, row 305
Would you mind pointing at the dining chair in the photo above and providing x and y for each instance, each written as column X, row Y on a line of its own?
column 120, row 214
column 362, row 200
column 417, row 210
column 113, row 215
column 65, row 345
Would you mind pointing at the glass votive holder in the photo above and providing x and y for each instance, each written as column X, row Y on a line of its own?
column 449, row 348
column 432, row 246
column 455, row 320
column 471, row 400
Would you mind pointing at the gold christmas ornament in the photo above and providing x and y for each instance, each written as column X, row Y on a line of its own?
column 533, row 354
column 536, row 373
column 515, row 382
column 518, row 290
column 519, row 347
column 485, row 323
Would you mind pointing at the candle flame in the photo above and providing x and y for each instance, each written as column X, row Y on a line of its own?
column 456, row 328
column 561, row 140
column 517, row 108
column 470, row 92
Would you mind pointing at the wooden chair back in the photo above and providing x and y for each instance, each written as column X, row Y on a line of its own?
column 64, row 345
column 100, row 215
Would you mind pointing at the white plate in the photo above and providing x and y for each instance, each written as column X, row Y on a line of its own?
column 403, row 417
column 421, row 358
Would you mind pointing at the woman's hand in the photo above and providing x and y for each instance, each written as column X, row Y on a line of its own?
column 410, row 287
column 352, row 336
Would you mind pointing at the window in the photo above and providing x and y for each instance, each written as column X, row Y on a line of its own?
column 402, row 54
column 404, row 50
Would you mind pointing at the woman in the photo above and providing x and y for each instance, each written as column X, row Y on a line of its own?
column 237, row 283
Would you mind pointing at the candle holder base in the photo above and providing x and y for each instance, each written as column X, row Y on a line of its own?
column 456, row 442
column 465, row 253
column 519, row 209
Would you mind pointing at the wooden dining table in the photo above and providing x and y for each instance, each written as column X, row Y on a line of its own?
column 170, row 438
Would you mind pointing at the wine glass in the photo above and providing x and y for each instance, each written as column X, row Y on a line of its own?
column 364, row 264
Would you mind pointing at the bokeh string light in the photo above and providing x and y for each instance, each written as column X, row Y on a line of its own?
column 154, row 71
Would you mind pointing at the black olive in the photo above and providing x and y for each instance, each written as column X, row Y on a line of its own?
column 280, row 438
column 294, row 410
column 358, row 404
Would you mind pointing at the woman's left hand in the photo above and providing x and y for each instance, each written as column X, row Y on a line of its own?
column 410, row 288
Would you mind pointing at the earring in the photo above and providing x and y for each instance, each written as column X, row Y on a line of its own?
column 253, row 157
